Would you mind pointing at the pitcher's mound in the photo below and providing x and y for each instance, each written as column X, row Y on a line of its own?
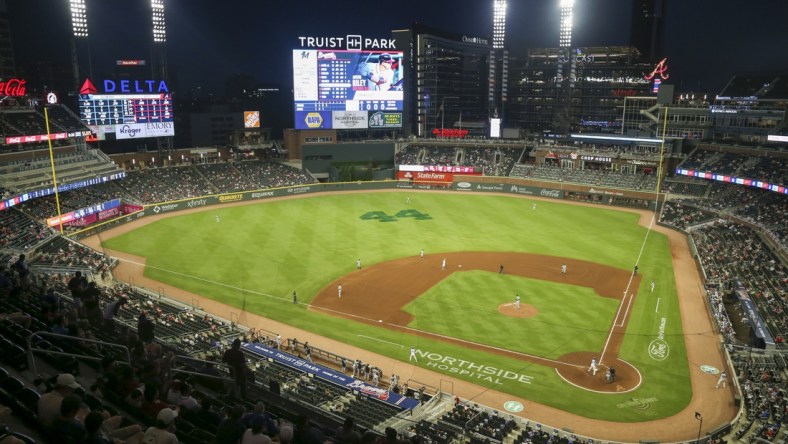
column 525, row 310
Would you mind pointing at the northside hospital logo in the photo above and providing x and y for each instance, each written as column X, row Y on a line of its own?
column 472, row 370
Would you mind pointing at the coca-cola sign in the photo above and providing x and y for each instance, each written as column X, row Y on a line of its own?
column 13, row 87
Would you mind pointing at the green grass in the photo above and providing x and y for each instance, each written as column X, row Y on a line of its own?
column 259, row 253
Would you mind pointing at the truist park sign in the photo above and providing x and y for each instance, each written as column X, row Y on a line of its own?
column 349, row 42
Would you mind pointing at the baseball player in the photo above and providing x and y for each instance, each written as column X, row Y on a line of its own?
column 443, row 264
column 278, row 341
column 217, row 219
column 413, row 355
column 533, row 206
column 563, row 269
column 592, row 368
column 339, row 290
column 358, row 264
column 517, row 302
column 722, row 380
column 407, row 200
column 295, row 297
column 421, row 254
column 652, row 286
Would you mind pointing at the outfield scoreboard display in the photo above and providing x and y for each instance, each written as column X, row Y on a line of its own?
column 128, row 116
column 127, row 109
column 343, row 89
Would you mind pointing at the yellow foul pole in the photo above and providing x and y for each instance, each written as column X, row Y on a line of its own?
column 54, row 176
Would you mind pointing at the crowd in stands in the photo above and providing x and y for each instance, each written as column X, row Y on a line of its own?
column 492, row 160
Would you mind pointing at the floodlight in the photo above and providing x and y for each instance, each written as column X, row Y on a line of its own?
column 159, row 25
column 79, row 18
column 565, row 33
column 499, row 23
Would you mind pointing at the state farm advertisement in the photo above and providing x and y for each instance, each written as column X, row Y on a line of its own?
column 423, row 176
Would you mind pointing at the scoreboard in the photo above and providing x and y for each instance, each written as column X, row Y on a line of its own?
column 113, row 109
column 347, row 89
column 127, row 116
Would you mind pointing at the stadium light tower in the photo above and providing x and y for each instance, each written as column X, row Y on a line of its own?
column 79, row 31
column 499, row 63
column 159, row 25
column 499, row 23
column 159, row 62
column 79, row 18
column 565, row 36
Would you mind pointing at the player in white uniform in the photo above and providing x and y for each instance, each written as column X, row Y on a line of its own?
column 592, row 368
column 517, row 302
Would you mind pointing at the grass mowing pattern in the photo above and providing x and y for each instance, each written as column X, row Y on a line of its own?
column 260, row 253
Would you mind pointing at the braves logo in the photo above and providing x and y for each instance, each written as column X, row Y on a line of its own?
column 661, row 70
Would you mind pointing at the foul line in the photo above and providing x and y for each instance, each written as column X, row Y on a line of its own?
column 451, row 338
column 656, row 310
column 626, row 291
column 381, row 340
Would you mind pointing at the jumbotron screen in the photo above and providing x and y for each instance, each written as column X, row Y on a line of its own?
column 340, row 89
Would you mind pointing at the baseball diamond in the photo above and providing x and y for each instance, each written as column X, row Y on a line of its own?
column 457, row 319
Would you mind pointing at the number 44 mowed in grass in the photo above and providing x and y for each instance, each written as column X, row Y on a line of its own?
column 381, row 216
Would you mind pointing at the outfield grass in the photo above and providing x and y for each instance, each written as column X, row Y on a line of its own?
column 259, row 253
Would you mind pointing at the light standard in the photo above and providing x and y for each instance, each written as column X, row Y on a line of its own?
column 699, row 417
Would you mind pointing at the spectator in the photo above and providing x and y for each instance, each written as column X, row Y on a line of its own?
column 110, row 311
column 145, row 327
column 232, row 429
column 152, row 405
column 235, row 358
column 49, row 403
column 164, row 430
column 66, row 427
column 20, row 266
column 254, row 434
column 77, row 285
column 305, row 433
column 270, row 428
column 347, row 433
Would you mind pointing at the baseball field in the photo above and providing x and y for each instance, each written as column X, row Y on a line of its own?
column 462, row 320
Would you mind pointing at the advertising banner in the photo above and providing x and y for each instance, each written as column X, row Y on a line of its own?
column 82, row 212
column 142, row 130
column 440, row 169
column 313, row 119
column 93, row 218
column 332, row 376
column 380, row 119
column 131, row 208
column 422, row 176
column 349, row 119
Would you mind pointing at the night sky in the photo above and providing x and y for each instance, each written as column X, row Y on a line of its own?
column 706, row 43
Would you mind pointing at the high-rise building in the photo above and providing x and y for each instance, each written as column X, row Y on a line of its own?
column 542, row 101
column 647, row 27
column 448, row 80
